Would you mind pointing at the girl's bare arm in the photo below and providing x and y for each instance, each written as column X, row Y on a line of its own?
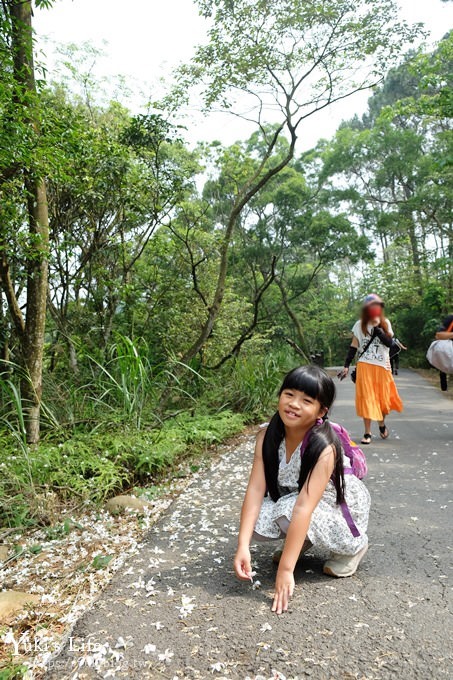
column 250, row 510
column 308, row 499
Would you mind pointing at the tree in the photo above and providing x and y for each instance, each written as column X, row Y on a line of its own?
column 291, row 58
column 395, row 163
column 118, row 181
column 26, row 178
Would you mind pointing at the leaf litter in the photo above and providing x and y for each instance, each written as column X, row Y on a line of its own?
column 68, row 569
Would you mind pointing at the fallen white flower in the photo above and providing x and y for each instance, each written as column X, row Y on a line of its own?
column 86, row 661
column 158, row 625
column 116, row 654
column 217, row 667
column 8, row 638
column 47, row 598
column 166, row 656
column 276, row 675
column 149, row 648
column 187, row 606
column 138, row 584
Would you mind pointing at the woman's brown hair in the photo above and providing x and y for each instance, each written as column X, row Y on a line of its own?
column 365, row 318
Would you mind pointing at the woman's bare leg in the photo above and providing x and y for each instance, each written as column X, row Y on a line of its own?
column 383, row 429
column 366, row 439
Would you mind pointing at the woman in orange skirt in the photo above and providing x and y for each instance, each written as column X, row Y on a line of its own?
column 376, row 394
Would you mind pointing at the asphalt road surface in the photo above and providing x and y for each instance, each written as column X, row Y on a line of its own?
column 177, row 611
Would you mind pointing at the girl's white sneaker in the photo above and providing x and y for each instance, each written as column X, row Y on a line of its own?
column 344, row 565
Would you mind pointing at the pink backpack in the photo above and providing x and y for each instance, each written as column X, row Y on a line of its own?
column 352, row 451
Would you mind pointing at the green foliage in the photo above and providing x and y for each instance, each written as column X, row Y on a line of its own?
column 396, row 164
column 101, row 561
column 249, row 383
column 125, row 380
column 12, row 412
column 254, row 249
column 294, row 47
column 96, row 465
column 183, row 435
column 13, row 671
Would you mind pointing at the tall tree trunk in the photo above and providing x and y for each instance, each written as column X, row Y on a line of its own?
column 410, row 219
column 32, row 338
column 303, row 350
column 415, row 255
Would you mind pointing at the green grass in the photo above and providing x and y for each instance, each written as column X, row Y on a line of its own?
column 13, row 672
column 109, row 429
column 94, row 466
column 250, row 384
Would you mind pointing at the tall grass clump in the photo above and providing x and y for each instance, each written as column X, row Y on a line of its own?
column 109, row 427
column 249, row 385
column 125, row 383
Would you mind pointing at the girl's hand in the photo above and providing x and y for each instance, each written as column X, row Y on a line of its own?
column 242, row 564
column 284, row 588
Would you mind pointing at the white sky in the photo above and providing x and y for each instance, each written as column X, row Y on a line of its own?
column 145, row 40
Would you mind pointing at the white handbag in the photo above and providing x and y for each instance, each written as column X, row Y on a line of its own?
column 440, row 354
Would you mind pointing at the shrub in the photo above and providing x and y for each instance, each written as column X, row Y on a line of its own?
column 93, row 466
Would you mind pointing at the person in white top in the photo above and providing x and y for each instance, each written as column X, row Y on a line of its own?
column 376, row 393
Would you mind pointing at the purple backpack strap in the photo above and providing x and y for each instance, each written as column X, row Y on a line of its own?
column 349, row 521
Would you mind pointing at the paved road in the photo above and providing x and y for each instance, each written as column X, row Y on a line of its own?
column 180, row 613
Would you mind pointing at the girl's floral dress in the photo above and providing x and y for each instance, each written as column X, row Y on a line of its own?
column 328, row 528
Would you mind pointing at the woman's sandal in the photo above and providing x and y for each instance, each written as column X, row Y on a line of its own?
column 383, row 431
column 366, row 439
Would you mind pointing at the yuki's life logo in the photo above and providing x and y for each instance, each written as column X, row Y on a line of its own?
column 44, row 643
column 9, row 639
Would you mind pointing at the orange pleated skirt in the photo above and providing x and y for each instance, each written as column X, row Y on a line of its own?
column 375, row 392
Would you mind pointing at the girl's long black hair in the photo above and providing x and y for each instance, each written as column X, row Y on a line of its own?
column 318, row 385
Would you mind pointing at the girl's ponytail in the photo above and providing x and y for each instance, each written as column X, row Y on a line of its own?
column 322, row 436
column 271, row 442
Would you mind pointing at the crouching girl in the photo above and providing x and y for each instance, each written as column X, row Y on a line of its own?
column 301, row 487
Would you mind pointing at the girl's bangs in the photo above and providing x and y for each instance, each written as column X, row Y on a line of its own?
column 303, row 380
